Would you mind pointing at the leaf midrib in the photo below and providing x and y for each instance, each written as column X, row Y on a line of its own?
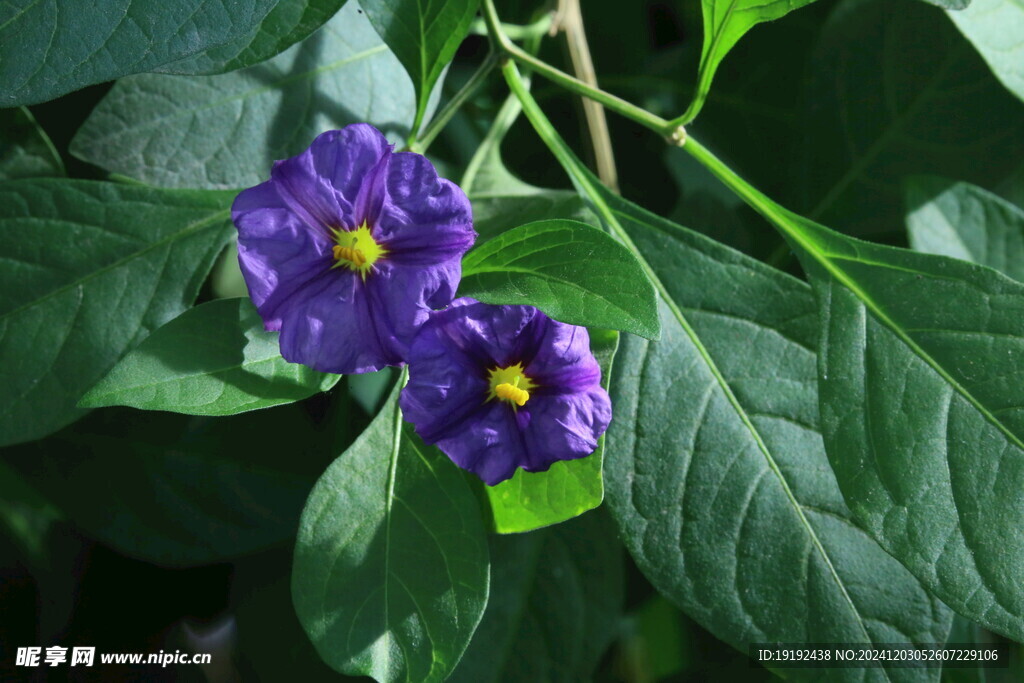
column 396, row 435
column 822, row 256
column 567, row 283
column 730, row 396
column 182, row 378
column 195, row 227
column 585, row 183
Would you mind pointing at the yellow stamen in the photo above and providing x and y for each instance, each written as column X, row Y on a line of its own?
column 349, row 254
column 356, row 249
column 512, row 393
column 510, row 384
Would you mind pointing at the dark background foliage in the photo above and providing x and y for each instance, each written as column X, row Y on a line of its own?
column 110, row 569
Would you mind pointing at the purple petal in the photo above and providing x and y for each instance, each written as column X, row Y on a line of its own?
column 562, row 361
column 425, row 219
column 448, row 400
column 323, row 183
column 278, row 253
column 495, row 334
column 564, row 427
column 491, row 446
column 336, row 324
column 412, row 292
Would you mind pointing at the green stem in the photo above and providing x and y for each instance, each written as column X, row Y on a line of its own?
column 421, row 110
column 503, row 121
column 519, row 87
column 501, row 42
column 454, row 104
column 537, row 29
column 581, row 178
column 774, row 213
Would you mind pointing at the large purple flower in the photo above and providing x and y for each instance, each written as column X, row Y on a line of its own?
column 348, row 247
column 501, row 387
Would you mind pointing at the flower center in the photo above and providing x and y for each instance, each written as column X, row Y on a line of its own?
column 510, row 384
column 356, row 249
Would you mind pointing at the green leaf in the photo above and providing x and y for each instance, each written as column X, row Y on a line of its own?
column 556, row 597
column 226, row 131
column 573, row 272
column 50, row 48
column 391, row 566
column 920, row 413
column 531, row 500
column 994, row 27
column 901, row 108
column 918, row 365
column 965, row 222
column 25, row 149
column 179, row 490
column 90, row 270
column 715, row 471
column 424, row 36
column 717, row 474
column 289, row 22
column 214, row 359
column 725, row 22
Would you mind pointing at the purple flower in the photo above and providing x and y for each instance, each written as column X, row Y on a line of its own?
column 347, row 248
column 501, row 387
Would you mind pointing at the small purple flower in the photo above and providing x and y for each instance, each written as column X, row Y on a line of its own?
column 501, row 387
column 348, row 247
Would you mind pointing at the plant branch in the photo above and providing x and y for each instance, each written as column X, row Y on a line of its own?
column 675, row 134
column 537, row 29
column 571, row 23
column 775, row 214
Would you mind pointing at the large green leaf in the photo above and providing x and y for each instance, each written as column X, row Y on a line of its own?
column 920, row 394
column 901, row 108
column 965, row 222
column 287, row 23
column 996, row 28
column 179, row 490
column 25, row 149
column 214, row 359
column 90, row 270
column 555, row 603
column 391, row 572
column 530, row 500
column 424, row 35
column 226, row 131
column 573, row 272
column 920, row 397
column 48, row 47
column 714, row 467
column 717, row 474
column 725, row 22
